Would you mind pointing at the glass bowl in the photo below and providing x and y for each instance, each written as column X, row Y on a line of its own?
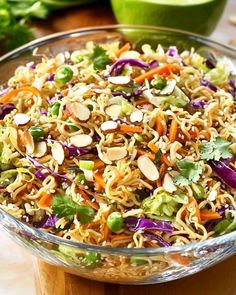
column 116, row 264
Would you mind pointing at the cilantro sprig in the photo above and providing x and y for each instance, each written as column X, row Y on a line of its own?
column 64, row 206
column 100, row 58
column 215, row 150
column 189, row 171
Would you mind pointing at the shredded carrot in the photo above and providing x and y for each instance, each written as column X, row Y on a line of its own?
column 180, row 259
column 197, row 213
column 121, row 237
column 158, row 182
column 98, row 164
column 87, row 200
column 141, row 101
column 153, row 147
column 159, row 126
column 130, row 129
column 162, row 170
column 8, row 96
column 124, row 48
column 64, row 92
column 45, row 200
column 209, row 214
column 99, row 180
column 194, row 132
column 173, row 130
column 149, row 155
column 165, row 160
column 164, row 71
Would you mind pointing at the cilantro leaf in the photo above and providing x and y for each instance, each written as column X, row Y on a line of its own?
column 100, row 58
column 64, row 206
column 215, row 150
column 189, row 171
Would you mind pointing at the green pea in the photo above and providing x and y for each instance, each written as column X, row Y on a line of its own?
column 198, row 191
column 63, row 74
column 55, row 109
column 159, row 83
column 36, row 132
column 115, row 221
column 135, row 260
column 91, row 259
column 72, row 128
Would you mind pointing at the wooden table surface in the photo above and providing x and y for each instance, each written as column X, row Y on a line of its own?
column 218, row 280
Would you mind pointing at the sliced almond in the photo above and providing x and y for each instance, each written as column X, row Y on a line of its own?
column 21, row 119
column 109, row 126
column 168, row 184
column 29, row 142
column 78, row 111
column 130, row 54
column 148, row 168
column 136, row 116
column 169, row 88
column 81, row 140
column 58, row 153
column 119, row 80
column 116, row 153
column 40, row 149
column 113, row 110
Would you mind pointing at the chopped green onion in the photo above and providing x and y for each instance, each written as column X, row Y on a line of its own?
column 86, row 165
column 221, row 226
column 158, row 83
column 55, row 109
column 198, row 191
column 157, row 157
column 71, row 127
column 36, row 132
column 135, row 260
column 126, row 107
column 138, row 137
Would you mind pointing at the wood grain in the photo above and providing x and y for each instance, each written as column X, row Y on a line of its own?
column 217, row 280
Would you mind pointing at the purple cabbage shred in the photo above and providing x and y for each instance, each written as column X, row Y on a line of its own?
column 208, row 84
column 119, row 65
column 158, row 239
column 5, row 109
column 134, row 224
column 47, row 221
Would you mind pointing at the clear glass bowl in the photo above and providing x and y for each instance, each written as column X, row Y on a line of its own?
column 163, row 264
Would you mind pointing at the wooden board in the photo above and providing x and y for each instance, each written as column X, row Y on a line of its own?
column 217, row 280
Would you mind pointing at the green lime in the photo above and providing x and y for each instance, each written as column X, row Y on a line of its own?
column 199, row 16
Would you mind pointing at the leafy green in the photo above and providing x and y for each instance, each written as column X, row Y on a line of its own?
column 163, row 205
column 228, row 224
column 8, row 176
column 100, row 58
column 189, row 171
column 215, row 150
column 64, row 206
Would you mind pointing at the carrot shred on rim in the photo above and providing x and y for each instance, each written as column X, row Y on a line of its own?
column 124, row 48
column 173, row 130
column 165, row 71
column 130, row 129
column 209, row 215
column 7, row 97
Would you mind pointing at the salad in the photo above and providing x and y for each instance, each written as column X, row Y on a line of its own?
column 110, row 146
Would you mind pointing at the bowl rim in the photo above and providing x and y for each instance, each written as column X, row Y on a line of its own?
column 41, row 234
